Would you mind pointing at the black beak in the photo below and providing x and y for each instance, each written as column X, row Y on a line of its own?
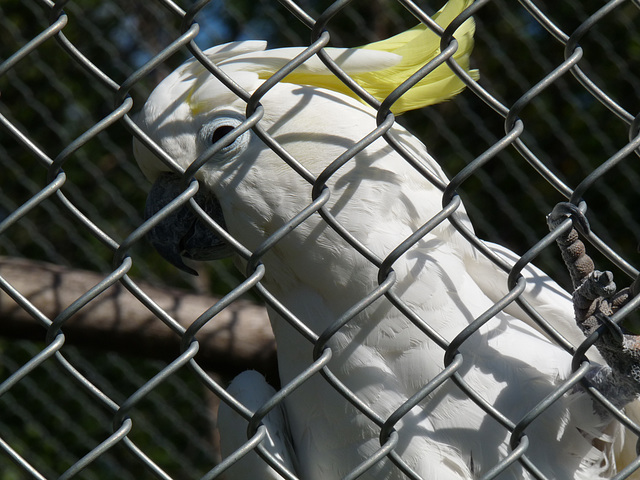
column 184, row 233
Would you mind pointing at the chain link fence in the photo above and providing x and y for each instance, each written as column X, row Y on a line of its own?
column 100, row 376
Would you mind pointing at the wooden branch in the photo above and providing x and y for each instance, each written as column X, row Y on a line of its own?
column 237, row 339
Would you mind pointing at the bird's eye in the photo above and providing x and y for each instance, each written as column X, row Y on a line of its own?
column 216, row 129
column 220, row 132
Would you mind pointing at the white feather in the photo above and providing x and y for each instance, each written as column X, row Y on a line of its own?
column 251, row 389
column 380, row 354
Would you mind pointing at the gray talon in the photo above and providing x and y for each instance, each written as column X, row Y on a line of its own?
column 564, row 210
column 595, row 300
column 603, row 283
column 612, row 327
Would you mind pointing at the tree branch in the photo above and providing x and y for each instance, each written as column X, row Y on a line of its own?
column 236, row 339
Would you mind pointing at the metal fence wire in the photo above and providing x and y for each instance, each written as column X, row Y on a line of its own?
column 114, row 363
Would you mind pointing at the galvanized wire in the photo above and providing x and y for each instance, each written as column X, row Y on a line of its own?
column 123, row 100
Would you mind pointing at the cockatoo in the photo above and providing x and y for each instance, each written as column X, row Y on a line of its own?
column 322, row 231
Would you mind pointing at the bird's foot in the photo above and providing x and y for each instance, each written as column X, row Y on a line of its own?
column 573, row 251
column 595, row 300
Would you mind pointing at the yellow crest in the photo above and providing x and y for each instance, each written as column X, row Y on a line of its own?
column 415, row 47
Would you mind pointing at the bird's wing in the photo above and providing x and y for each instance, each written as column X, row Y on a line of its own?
column 556, row 306
column 251, row 389
column 542, row 292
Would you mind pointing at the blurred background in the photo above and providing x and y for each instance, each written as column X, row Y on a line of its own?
column 51, row 420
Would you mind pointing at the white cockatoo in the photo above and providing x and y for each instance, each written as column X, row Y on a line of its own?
column 327, row 260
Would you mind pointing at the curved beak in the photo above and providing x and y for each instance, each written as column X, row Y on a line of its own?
column 184, row 233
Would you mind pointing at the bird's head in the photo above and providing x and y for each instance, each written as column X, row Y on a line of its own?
column 200, row 124
column 187, row 114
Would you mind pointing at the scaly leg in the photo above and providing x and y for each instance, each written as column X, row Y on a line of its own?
column 595, row 300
